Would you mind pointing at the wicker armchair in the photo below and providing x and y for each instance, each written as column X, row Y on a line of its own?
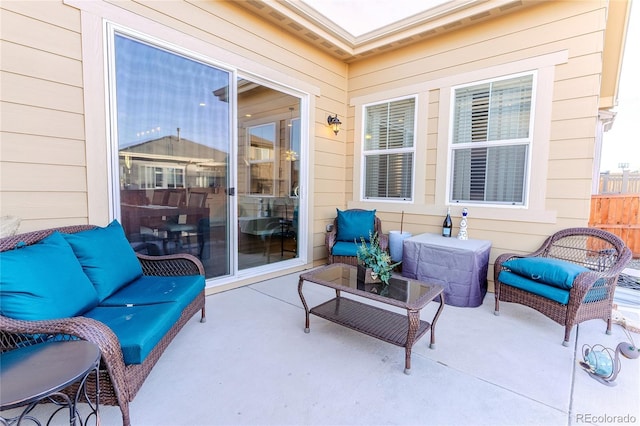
column 591, row 294
column 119, row 383
column 331, row 239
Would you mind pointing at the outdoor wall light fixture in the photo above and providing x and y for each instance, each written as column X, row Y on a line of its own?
column 334, row 122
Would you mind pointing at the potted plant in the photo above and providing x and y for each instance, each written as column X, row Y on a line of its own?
column 374, row 263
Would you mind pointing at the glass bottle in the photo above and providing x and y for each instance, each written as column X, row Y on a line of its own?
column 447, row 224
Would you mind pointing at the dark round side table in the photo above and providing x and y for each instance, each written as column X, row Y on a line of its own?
column 39, row 372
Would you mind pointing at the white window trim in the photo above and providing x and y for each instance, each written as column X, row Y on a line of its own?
column 412, row 150
column 420, row 150
column 526, row 141
column 535, row 209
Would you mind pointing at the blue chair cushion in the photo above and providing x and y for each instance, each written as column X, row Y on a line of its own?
column 597, row 293
column 541, row 289
column 354, row 224
column 555, row 272
column 106, row 257
column 44, row 281
column 148, row 290
column 138, row 328
column 345, row 248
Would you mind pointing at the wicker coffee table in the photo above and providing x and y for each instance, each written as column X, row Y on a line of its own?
column 382, row 324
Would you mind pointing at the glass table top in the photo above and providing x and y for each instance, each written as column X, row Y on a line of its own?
column 401, row 291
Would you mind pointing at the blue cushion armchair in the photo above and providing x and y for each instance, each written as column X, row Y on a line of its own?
column 349, row 226
column 571, row 278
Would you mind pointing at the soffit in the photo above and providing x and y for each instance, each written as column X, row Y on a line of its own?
column 307, row 24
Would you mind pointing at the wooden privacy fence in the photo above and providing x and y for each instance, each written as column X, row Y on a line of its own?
column 620, row 215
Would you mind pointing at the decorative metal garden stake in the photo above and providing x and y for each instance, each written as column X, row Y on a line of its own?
column 603, row 364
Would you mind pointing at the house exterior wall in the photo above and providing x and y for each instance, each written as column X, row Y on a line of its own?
column 564, row 41
column 53, row 170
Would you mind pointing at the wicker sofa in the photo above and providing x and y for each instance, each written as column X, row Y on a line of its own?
column 166, row 292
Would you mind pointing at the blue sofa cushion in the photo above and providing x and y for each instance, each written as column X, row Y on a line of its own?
column 148, row 290
column 541, row 289
column 555, row 272
column 106, row 257
column 138, row 328
column 44, row 281
column 353, row 224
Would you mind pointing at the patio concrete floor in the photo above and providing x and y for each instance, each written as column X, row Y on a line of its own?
column 252, row 364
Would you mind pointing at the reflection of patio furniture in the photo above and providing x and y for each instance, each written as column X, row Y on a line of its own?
column 254, row 233
column 392, row 327
column 175, row 198
column 133, row 217
column 259, row 226
column 188, row 225
column 159, row 197
column 571, row 278
column 285, row 231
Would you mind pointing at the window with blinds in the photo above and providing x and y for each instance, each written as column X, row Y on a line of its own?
column 491, row 141
column 389, row 150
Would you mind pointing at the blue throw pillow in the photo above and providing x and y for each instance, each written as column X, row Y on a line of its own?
column 106, row 257
column 353, row 224
column 558, row 273
column 44, row 281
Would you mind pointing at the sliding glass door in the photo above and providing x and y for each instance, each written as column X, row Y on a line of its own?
column 173, row 125
column 268, row 168
column 207, row 163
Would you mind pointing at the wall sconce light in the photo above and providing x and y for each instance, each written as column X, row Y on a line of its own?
column 334, row 122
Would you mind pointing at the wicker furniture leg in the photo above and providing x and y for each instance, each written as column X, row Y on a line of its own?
column 304, row 303
column 432, row 343
column 414, row 323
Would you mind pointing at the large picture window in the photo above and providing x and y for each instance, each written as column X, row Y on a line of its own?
column 491, row 141
column 389, row 150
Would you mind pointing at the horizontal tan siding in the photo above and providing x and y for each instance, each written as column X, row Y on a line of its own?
column 43, row 173
column 27, row 31
column 17, row 148
column 25, row 90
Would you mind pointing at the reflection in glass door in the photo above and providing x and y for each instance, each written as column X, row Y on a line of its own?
column 268, row 170
column 173, row 136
